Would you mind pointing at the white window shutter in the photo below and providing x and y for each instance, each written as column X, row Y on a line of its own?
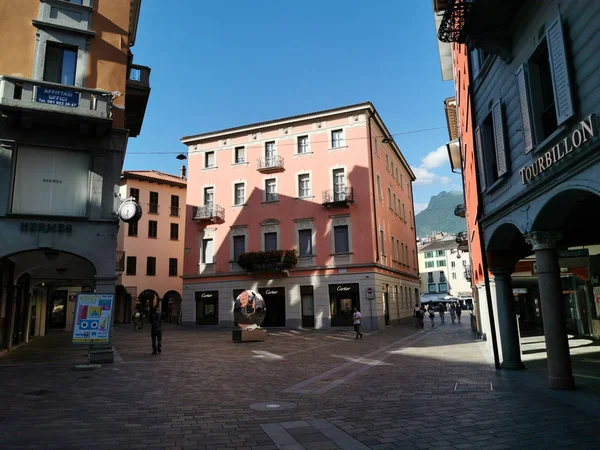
column 524, row 101
column 480, row 161
column 474, row 63
column 499, row 141
column 560, row 71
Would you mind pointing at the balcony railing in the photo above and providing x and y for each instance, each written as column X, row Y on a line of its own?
column 272, row 164
column 209, row 212
column 338, row 196
column 43, row 96
column 269, row 261
column 120, row 267
column 459, row 211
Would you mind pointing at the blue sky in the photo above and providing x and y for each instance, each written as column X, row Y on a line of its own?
column 222, row 64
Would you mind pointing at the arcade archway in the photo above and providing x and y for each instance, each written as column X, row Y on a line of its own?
column 171, row 305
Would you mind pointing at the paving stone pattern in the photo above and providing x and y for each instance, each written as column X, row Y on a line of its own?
column 400, row 388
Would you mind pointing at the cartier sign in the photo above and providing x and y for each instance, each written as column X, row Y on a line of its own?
column 271, row 292
column 343, row 288
column 578, row 137
column 43, row 227
column 205, row 295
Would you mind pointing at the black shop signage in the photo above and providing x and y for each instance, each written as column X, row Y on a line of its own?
column 43, row 227
column 343, row 288
column 207, row 295
column 273, row 292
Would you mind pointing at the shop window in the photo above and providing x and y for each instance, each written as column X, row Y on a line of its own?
column 432, row 288
column 442, row 287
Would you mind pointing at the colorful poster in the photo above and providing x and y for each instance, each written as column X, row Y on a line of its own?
column 93, row 318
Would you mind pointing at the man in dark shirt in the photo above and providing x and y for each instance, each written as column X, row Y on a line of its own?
column 156, row 330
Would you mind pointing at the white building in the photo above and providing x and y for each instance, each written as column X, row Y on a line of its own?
column 444, row 270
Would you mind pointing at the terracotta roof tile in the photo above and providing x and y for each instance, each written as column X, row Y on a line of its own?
column 154, row 175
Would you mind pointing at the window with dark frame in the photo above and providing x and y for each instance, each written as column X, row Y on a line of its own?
column 240, row 155
column 337, row 138
column 152, row 229
column 132, row 229
column 209, row 160
column 60, row 64
column 430, row 277
column 305, row 242
column 341, row 239
column 208, row 253
column 270, row 242
column 175, row 205
column 151, row 266
column 174, row 231
column 239, row 246
column 432, row 288
column 135, row 193
column 172, row 267
column 131, row 265
column 153, row 204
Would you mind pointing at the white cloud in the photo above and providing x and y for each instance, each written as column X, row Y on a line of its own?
column 425, row 176
column 420, row 207
column 436, row 158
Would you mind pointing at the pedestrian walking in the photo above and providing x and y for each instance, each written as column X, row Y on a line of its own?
column 356, row 321
column 452, row 312
column 441, row 311
column 458, row 312
column 156, row 331
column 431, row 316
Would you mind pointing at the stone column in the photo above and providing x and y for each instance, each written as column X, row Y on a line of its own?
column 507, row 319
column 103, row 354
column 560, row 375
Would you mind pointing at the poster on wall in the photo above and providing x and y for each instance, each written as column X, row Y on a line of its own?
column 93, row 317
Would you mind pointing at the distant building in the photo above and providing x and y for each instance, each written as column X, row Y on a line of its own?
column 445, row 271
column 330, row 185
column 150, row 252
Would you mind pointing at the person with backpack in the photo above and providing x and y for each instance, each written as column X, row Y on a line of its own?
column 156, row 330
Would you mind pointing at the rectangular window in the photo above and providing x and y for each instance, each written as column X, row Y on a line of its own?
column 153, row 204
column 151, row 266
column 442, row 276
column 428, row 254
column 209, row 196
column 441, row 263
column 172, row 267
column 270, row 154
column 240, row 155
column 402, row 253
column 454, row 275
column 440, row 253
column 175, row 205
column 387, row 162
column 305, row 242
column 414, row 259
column 60, row 64
column 341, row 239
column 395, row 204
column 429, row 264
column 432, row 288
column 403, row 212
column 382, row 241
column 390, row 198
column 394, row 253
column 174, row 231
column 442, row 287
column 337, row 138
column 152, row 229
column 270, row 242
column 132, row 229
column 430, row 277
column 303, row 144
column 378, row 187
column 453, row 264
column 208, row 253
column 240, row 193
column 135, row 193
column 209, row 160
column 397, row 174
column 304, row 185
column 239, row 246
column 339, row 185
column 131, row 266
column 376, row 146
column 271, row 190
column 77, row 2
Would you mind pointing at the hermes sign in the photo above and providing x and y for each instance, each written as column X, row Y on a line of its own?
column 576, row 139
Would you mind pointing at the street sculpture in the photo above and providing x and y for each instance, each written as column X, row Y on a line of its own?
column 249, row 310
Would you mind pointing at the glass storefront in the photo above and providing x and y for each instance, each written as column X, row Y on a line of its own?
column 207, row 308
column 343, row 298
column 274, row 298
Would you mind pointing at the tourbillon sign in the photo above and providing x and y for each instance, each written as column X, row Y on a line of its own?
column 34, row 227
column 130, row 211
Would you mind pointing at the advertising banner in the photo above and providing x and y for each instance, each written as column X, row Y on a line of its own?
column 93, row 318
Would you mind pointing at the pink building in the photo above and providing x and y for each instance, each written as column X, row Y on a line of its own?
column 332, row 185
column 151, row 251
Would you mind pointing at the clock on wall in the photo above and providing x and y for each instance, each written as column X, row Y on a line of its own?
column 130, row 211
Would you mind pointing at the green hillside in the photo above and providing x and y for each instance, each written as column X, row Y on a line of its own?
column 439, row 215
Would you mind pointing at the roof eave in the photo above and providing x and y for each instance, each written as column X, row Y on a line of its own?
column 134, row 18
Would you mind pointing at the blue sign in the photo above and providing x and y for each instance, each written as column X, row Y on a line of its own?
column 59, row 97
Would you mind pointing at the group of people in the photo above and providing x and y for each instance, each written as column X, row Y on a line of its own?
column 423, row 311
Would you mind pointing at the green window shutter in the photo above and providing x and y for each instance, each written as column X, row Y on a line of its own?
column 560, row 71
column 480, row 161
column 524, row 102
column 499, row 141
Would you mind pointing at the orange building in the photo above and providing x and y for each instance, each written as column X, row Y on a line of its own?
column 70, row 98
column 150, row 251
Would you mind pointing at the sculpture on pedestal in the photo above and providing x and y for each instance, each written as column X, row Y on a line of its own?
column 249, row 310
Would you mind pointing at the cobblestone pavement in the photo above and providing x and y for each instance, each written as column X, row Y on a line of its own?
column 400, row 388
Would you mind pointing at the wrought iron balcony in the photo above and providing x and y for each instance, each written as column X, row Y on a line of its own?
column 460, row 211
column 268, row 261
column 209, row 212
column 273, row 164
column 120, row 267
column 338, row 197
column 23, row 95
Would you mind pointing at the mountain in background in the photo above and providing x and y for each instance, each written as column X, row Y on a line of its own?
column 439, row 215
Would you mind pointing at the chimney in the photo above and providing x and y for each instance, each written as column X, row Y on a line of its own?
column 183, row 172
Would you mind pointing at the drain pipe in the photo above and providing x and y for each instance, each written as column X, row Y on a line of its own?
column 374, row 207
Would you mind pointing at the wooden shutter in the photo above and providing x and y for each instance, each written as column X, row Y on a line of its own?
column 525, row 115
column 560, row 72
column 474, row 63
column 480, row 161
column 499, row 141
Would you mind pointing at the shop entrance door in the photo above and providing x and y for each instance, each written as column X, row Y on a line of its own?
column 207, row 308
column 386, row 308
column 275, row 303
column 58, row 309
